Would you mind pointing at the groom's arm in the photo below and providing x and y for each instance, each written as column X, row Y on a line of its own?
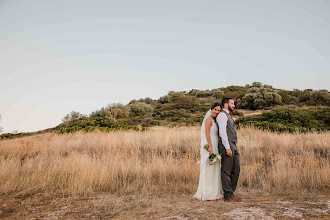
column 222, row 120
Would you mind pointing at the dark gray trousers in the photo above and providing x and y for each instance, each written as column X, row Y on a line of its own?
column 230, row 168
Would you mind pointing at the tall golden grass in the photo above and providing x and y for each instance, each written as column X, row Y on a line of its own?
column 161, row 159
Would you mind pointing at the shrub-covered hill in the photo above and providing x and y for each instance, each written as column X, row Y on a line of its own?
column 188, row 108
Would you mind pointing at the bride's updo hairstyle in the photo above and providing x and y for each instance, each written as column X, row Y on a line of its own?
column 215, row 105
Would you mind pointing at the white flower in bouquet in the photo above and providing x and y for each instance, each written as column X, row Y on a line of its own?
column 214, row 158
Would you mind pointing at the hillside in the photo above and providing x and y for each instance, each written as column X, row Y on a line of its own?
column 188, row 108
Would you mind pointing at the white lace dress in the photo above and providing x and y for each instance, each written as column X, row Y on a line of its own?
column 209, row 177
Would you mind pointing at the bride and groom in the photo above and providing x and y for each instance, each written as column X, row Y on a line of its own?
column 219, row 133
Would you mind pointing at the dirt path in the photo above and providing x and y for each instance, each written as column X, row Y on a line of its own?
column 107, row 206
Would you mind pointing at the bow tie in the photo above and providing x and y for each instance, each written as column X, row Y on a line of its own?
column 230, row 113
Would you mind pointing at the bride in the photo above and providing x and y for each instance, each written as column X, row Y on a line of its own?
column 209, row 177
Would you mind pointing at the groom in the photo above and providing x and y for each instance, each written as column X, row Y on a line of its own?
column 230, row 165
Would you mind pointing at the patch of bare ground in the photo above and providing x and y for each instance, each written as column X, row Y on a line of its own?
column 165, row 206
column 248, row 112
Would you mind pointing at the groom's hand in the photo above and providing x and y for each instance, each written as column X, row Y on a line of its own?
column 229, row 153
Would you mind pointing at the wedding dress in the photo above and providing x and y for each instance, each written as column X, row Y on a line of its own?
column 209, row 177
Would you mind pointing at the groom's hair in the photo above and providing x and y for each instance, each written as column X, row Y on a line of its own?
column 226, row 100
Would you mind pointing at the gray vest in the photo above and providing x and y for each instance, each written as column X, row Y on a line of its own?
column 231, row 130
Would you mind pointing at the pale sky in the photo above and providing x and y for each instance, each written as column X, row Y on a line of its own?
column 74, row 55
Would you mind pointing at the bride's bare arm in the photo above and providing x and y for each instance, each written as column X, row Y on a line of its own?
column 208, row 123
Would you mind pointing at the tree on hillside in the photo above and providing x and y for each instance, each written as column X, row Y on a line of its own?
column 257, row 84
column 288, row 97
column 193, row 92
column 305, row 95
column 174, row 96
column 258, row 97
column 119, row 110
column 203, row 93
column 147, row 100
column 138, row 108
column 321, row 97
column 112, row 112
column 311, row 97
column 163, row 99
column 73, row 117
column 186, row 102
column 217, row 93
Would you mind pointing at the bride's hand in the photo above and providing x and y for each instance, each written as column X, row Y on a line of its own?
column 210, row 150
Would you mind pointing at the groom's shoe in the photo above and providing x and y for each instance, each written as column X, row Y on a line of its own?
column 232, row 199
column 238, row 198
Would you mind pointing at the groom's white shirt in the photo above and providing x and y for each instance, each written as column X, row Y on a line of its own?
column 222, row 120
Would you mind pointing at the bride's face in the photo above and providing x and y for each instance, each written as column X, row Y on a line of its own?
column 216, row 111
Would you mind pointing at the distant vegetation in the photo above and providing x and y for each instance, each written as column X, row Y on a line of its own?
column 291, row 120
column 188, row 108
column 11, row 135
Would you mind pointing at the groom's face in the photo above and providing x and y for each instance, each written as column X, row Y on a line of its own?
column 231, row 105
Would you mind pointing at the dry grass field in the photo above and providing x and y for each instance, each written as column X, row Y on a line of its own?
column 154, row 174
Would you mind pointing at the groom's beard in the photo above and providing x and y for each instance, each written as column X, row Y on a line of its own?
column 230, row 109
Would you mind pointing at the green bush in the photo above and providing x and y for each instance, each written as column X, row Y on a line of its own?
column 238, row 113
column 95, row 123
column 140, row 108
column 291, row 120
column 260, row 97
column 11, row 136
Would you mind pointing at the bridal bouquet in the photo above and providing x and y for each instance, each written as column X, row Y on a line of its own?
column 213, row 157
